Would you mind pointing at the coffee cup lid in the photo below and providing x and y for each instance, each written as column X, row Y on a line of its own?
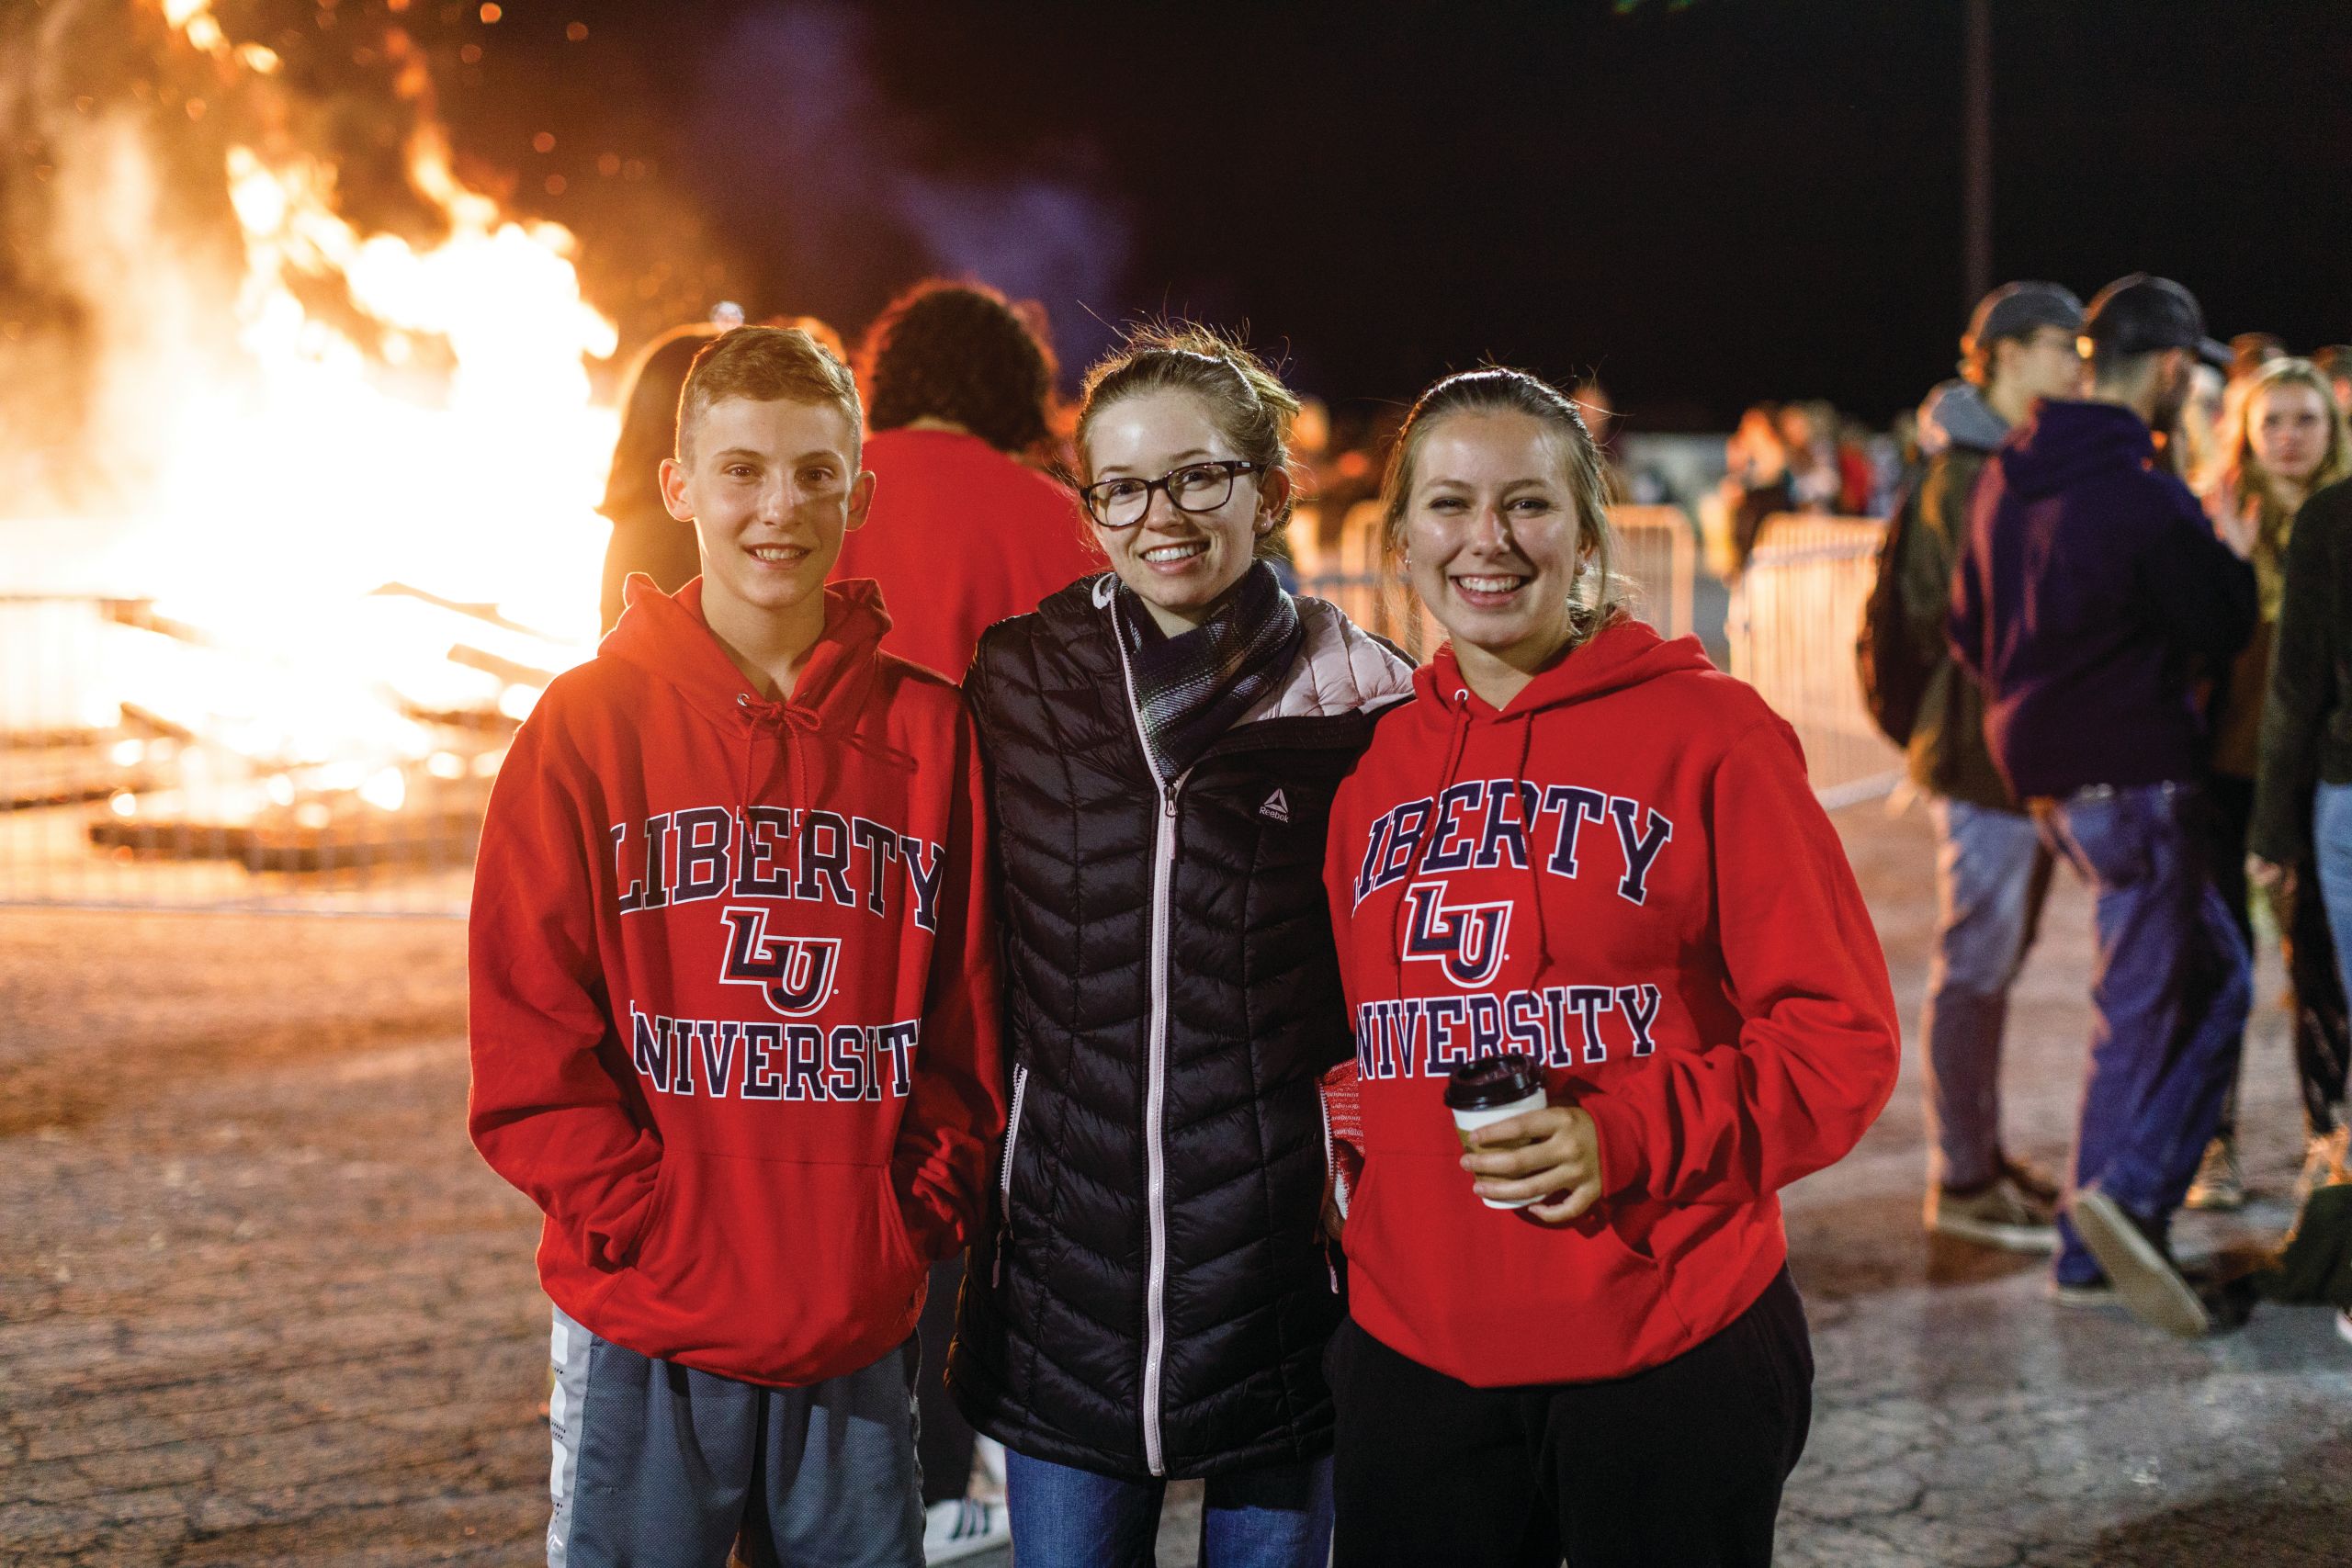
column 1490, row 1081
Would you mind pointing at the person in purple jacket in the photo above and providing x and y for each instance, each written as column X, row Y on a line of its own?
column 2091, row 594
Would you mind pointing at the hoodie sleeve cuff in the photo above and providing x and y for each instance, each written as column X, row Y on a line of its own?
column 1622, row 1165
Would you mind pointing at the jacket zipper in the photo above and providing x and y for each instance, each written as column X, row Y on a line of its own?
column 1004, row 1176
column 1155, row 1090
column 1155, row 1152
column 1338, row 1187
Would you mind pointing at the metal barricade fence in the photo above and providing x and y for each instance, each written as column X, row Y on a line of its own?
column 1657, row 552
column 145, row 764
column 150, row 764
column 1794, row 613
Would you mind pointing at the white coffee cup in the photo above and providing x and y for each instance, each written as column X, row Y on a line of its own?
column 1510, row 1074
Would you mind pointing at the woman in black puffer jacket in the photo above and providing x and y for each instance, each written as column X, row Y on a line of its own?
column 1163, row 742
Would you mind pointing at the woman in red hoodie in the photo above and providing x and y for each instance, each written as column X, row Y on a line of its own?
column 1581, row 843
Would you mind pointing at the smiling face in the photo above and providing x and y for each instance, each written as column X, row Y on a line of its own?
column 1492, row 541
column 1179, row 563
column 770, row 487
column 2286, row 428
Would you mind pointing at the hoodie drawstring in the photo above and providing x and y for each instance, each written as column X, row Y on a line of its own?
column 796, row 725
column 1528, row 814
column 1456, row 745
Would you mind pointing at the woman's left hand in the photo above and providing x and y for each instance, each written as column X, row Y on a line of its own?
column 1559, row 1163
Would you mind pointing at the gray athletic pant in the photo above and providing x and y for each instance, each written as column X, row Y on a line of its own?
column 661, row 1466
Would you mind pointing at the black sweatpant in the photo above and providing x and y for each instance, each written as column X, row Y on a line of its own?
column 1677, row 1467
column 2322, row 1028
column 944, row 1439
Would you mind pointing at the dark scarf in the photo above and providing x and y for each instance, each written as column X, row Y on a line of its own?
column 1190, row 689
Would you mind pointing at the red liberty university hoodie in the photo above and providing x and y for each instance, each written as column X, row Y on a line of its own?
column 733, row 1004
column 1624, row 875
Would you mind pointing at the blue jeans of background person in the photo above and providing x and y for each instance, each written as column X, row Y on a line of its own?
column 2169, row 990
column 2332, row 847
column 1066, row 1517
column 1991, row 873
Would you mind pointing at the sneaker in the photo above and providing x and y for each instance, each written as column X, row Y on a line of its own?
column 2147, row 1282
column 2220, row 1186
column 2087, row 1296
column 2327, row 1161
column 2344, row 1325
column 2001, row 1213
column 962, row 1527
column 987, row 1466
column 2033, row 1181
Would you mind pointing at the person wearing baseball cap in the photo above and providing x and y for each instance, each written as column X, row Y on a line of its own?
column 1991, row 868
column 2091, row 594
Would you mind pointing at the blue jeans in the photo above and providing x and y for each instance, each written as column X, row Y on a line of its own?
column 2170, row 989
column 1992, row 872
column 2332, row 847
column 1066, row 1517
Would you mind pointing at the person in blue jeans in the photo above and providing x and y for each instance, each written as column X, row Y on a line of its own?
column 1153, row 1297
column 2091, row 594
column 1992, row 869
column 2303, row 801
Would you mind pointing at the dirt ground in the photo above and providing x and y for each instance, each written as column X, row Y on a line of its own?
column 260, row 1303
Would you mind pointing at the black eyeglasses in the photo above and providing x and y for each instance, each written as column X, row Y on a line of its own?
column 1195, row 486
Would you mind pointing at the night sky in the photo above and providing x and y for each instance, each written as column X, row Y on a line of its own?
column 1707, row 203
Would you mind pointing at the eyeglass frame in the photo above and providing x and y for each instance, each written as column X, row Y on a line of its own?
column 1233, row 469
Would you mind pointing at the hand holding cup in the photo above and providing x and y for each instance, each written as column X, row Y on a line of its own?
column 1546, row 1161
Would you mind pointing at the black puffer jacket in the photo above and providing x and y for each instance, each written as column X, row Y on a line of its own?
column 1153, row 1296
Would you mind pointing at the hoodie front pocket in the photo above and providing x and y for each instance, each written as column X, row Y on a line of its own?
column 777, row 1271
column 657, row 1208
column 1461, row 1286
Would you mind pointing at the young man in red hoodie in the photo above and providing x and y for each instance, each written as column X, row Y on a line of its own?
column 1582, row 845
column 733, row 1010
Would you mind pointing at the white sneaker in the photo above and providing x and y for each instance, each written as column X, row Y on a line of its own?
column 2344, row 1323
column 961, row 1527
column 2140, row 1265
column 988, row 1459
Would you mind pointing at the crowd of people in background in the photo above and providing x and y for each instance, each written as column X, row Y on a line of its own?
column 2092, row 567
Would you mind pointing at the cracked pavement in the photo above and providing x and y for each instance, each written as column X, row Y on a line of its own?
column 262, row 1304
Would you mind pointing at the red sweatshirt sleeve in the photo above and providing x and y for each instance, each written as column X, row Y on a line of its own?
column 956, row 1109
column 542, row 1108
column 1819, row 1046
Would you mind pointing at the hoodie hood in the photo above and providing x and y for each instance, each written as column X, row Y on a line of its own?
column 2062, row 444
column 667, row 636
column 1956, row 414
column 1624, row 653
